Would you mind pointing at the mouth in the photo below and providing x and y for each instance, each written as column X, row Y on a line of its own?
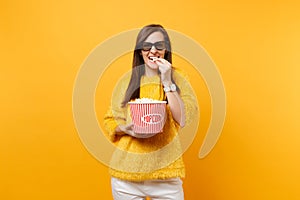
column 153, row 58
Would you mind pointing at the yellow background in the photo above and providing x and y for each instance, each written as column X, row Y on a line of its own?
column 254, row 44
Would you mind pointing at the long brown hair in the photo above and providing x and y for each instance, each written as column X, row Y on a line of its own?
column 138, row 65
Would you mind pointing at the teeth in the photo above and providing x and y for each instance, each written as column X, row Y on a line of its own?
column 153, row 58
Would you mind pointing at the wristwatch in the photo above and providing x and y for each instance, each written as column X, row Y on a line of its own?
column 170, row 88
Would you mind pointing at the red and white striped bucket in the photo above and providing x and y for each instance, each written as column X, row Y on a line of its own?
column 148, row 117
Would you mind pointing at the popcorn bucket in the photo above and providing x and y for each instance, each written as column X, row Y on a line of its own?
column 148, row 117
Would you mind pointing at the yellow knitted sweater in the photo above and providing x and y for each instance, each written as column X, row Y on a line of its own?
column 157, row 157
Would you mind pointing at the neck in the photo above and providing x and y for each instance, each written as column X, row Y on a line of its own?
column 150, row 72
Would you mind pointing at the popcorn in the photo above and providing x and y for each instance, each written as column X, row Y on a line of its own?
column 147, row 100
column 153, row 58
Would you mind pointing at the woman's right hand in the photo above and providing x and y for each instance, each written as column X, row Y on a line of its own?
column 128, row 129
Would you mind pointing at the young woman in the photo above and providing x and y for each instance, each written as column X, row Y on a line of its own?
column 145, row 167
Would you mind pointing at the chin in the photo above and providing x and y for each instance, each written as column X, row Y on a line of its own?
column 152, row 65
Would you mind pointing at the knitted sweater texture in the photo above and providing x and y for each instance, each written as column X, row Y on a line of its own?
column 157, row 157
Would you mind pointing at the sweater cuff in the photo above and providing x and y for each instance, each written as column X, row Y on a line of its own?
column 113, row 135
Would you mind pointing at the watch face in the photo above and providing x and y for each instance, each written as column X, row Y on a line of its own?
column 173, row 87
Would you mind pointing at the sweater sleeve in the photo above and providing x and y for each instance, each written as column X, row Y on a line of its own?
column 116, row 114
column 187, row 95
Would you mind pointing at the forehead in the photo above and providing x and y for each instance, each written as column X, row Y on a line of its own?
column 155, row 37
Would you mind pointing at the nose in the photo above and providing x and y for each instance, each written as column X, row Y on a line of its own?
column 153, row 49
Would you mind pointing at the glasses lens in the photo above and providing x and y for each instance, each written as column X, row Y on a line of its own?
column 147, row 46
column 160, row 45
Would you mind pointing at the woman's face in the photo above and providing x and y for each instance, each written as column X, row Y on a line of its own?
column 153, row 46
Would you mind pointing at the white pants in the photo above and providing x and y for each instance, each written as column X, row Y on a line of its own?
column 170, row 189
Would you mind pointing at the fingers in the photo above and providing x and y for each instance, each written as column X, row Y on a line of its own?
column 128, row 129
column 163, row 64
column 143, row 135
column 165, row 69
column 161, row 61
column 129, row 126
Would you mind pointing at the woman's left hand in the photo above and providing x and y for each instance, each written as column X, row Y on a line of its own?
column 165, row 69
